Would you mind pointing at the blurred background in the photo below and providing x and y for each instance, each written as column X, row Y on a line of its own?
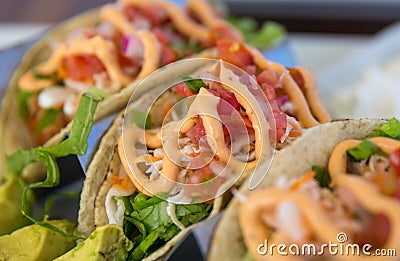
column 343, row 16
column 337, row 39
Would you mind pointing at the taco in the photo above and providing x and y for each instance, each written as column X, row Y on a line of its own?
column 337, row 183
column 110, row 49
column 123, row 180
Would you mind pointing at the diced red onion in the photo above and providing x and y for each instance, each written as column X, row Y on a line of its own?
column 132, row 47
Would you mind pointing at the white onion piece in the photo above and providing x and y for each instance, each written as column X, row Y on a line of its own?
column 77, row 86
column 115, row 208
column 141, row 23
column 53, row 97
column 290, row 221
column 71, row 105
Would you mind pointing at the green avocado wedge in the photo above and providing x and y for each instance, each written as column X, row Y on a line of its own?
column 105, row 243
column 36, row 242
column 10, row 206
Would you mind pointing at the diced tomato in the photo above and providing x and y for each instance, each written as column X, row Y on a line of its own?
column 155, row 14
column 228, row 104
column 130, row 12
column 379, row 235
column 280, row 122
column 223, row 31
column 296, row 75
column 269, row 92
column 167, row 55
column 251, row 69
column 82, row 67
column 196, row 132
column 161, row 35
column 268, row 77
column 201, row 175
column 125, row 61
column 234, row 52
column 183, row 90
column 394, row 160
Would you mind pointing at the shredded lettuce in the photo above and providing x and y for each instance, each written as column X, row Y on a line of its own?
column 153, row 224
column 23, row 98
column 98, row 92
column 321, row 176
column 49, row 117
column 364, row 151
column 76, row 143
column 193, row 84
column 141, row 119
column 270, row 33
column 390, row 129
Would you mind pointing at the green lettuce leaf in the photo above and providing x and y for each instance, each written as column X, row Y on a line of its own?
column 76, row 143
column 270, row 33
column 141, row 119
column 390, row 129
column 364, row 151
column 154, row 225
column 321, row 176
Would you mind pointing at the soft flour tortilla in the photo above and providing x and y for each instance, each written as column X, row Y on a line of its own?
column 312, row 148
column 92, row 209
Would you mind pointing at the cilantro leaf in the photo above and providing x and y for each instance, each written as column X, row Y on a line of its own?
column 390, row 129
column 364, row 150
column 141, row 119
column 321, row 176
column 268, row 35
column 193, row 84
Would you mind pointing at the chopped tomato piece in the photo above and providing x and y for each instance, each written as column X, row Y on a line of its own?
column 82, row 67
column 268, row 77
column 229, row 102
column 296, row 75
column 234, row 52
column 155, row 14
column 379, row 235
column 182, row 89
column 161, row 35
column 201, row 175
column 167, row 55
column 196, row 132
column 269, row 92
column 280, row 123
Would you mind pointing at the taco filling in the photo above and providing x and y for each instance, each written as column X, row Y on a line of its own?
column 358, row 194
column 132, row 39
column 204, row 131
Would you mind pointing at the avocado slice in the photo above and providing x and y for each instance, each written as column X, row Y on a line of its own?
column 36, row 242
column 105, row 243
column 10, row 206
